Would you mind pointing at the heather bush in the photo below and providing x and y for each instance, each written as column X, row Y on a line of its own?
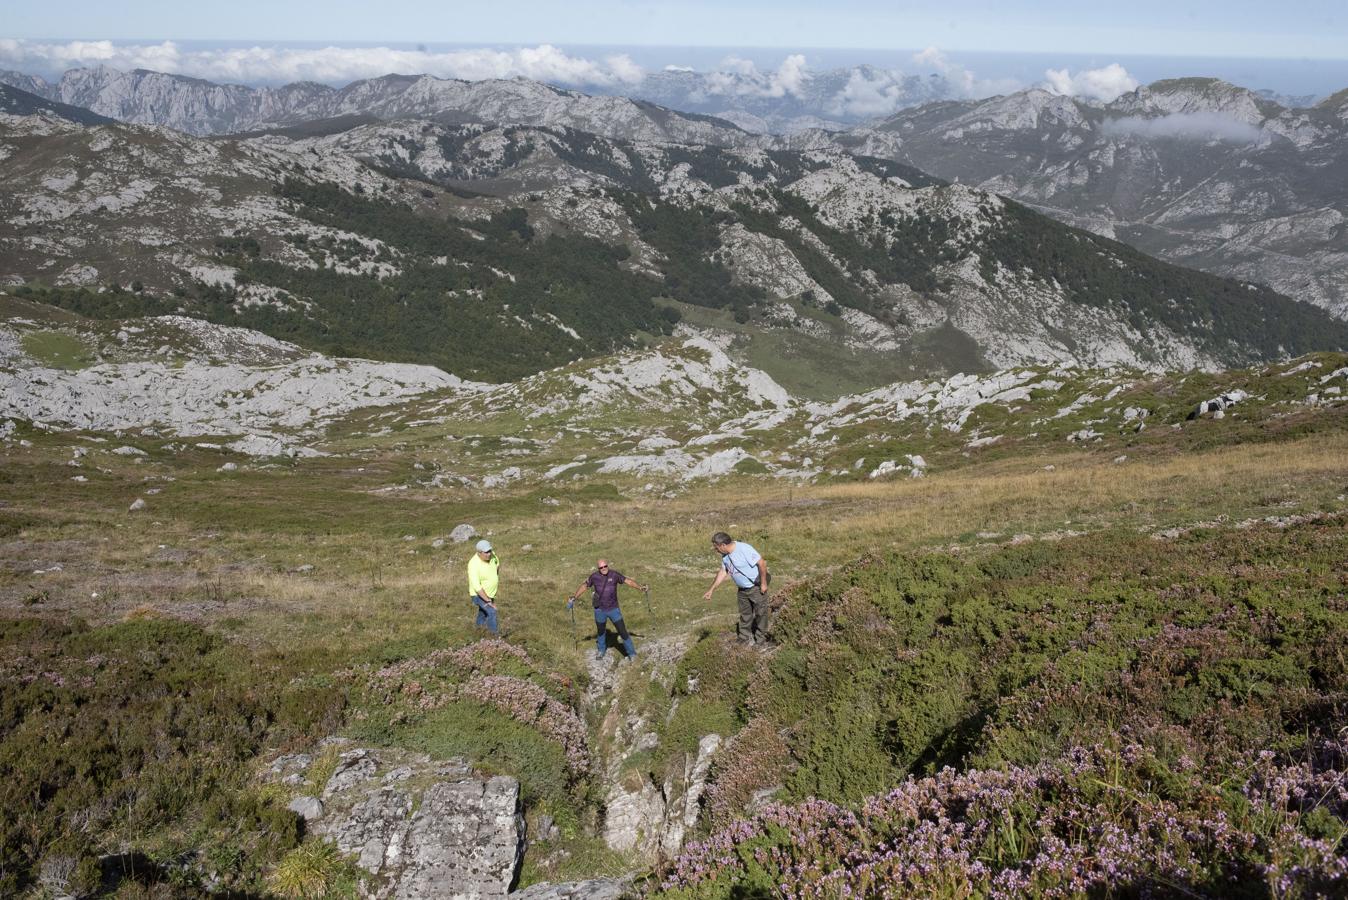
column 1095, row 822
column 1216, row 645
column 489, row 703
column 488, row 738
column 1188, row 666
column 716, row 668
column 115, row 738
column 529, row 704
column 691, row 719
column 754, row 760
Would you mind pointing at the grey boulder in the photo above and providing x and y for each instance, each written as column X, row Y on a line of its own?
column 595, row 889
column 307, row 808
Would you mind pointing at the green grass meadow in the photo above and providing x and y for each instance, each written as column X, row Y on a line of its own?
column 151, row 660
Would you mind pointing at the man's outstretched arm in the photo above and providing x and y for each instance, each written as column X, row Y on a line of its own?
column 720, row 577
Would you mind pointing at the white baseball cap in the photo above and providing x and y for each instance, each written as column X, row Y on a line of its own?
column 484, row 546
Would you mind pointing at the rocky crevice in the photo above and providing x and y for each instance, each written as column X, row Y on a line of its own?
column 431, row 829
column 644, row 813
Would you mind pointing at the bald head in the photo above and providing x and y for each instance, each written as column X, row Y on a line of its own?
column 602, row 564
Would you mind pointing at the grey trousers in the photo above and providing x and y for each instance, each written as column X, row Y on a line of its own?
column 755, row 616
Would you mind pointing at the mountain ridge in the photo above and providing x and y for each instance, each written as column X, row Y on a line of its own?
column 506, row 250
column 1197, row 171
column 199, row 107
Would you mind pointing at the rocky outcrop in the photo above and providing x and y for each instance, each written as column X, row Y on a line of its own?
column 1219, row 405
column 654, row 819
column 594, row 889
column 269, row 404
column 426, row 829
column 16, row 101
column 683, row 795
column 642, row 814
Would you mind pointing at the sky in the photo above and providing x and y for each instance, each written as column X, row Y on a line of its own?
column 1227, row 28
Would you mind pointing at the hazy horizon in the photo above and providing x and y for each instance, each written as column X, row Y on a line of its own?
column 609, row 67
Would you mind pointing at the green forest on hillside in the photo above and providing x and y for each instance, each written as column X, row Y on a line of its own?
column 1222, row 312
column 491, row 299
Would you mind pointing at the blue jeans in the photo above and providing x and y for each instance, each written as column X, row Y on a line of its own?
column 485, row 614
column 601, row 619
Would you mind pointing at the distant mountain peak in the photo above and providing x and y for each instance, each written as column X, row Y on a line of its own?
column 200, row 107
column 1189, row 83
column 1197, row 170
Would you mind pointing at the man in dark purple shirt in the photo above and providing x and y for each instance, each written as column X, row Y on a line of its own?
column 604, row 582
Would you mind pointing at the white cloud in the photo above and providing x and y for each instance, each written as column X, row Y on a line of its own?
column 741, row 78
column 873, row 92
column 932, row 57
column 1201, row 126
column 739, row 66
column 624, row 69
column 792, row 75
column 1108, row 83
column 863, row 96
column 961, row 80
column 329, row 65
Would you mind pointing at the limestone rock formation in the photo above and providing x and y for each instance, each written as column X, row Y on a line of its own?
column 594, row 889
column 427, row 829
column 640, row 814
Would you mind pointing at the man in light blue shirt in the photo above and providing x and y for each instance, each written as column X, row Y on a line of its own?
column 743, row 565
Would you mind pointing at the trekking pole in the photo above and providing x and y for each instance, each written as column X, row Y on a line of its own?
column 647, row 591
column 575, row 637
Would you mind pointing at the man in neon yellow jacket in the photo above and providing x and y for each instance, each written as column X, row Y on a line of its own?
column 483, row 579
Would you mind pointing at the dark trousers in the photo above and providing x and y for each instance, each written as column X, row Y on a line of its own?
column 755, row 616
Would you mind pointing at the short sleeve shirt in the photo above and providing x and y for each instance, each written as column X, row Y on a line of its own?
column 742, row 564
column 605, row 587
column 484, row 575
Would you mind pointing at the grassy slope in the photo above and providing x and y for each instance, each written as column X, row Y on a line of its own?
column 222, row 551
column 1205, row 675
column 825, row 368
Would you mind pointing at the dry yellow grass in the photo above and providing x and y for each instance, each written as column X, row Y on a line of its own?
column 371, row 593
column 369, row 588
column 1021, row 496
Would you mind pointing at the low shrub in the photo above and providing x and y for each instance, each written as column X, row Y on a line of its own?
column 1096, row 822
column 111, row 736
column 1213, row 646
column 487, row 702
column 753, row 760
